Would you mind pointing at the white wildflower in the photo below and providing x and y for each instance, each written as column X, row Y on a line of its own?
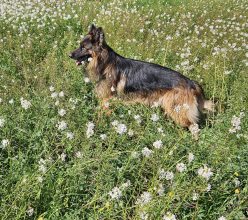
column 222, row 218
column 62, row 112
column 121, row 128
column 61, row 94
column 4, row 143
column 25, row 103
column 236, row 124
column 227, row 72
column 143, row 215
column 135, row 154
column 42, row 165
column 115, row 123
column 191, row 157
column 157, row 144
column 144, row 198
column 181, row 167
column 160, row 190
column 146, row 152
column 208, row 188
column 54, row 95
column 236, row 182
column 51, row 88
column 86, row 79
column 169, row 176
column 30, row 211
column 126, row 184
column 137, row 118
column 130, row 132
column 90, row 129
column 161, row 173
column 232, row 130
column 155, row 117
column 78, row 154
column 103, row 136
column 165, row 174
column 61, row 125
column 160, row 130
column 62, row 156
column 11, row 101
column 56, row 103
column 69, row 135
column 115, row 193
column 169, row 216
column 74, row 101
column 205, row 172
column 242, row 114
column 195, row 196
column 40, row 179
column 2, row 122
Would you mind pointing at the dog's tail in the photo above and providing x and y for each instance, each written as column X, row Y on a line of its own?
column 204, row 103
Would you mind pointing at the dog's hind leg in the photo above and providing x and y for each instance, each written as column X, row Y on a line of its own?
column 182, row 106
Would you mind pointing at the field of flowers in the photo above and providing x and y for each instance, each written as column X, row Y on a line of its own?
column 62, row 157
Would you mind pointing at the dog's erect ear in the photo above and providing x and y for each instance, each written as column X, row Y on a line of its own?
column 101, row 36
column 92, row 29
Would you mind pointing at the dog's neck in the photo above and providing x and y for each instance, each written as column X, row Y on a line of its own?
column 101, row 64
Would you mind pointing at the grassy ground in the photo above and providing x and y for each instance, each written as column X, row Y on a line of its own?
column 62, row 159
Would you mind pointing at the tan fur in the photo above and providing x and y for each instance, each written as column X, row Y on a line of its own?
column 121, row 86
column 103, row 86
column 103, row 89
column 91, row 69
column 180, row 104
column 109, row 73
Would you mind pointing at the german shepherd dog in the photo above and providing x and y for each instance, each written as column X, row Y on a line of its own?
column 137, row 81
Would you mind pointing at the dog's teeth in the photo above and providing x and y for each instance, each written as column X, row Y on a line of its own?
column 78, row 63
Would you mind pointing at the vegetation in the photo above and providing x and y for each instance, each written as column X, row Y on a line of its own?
column 62, row 157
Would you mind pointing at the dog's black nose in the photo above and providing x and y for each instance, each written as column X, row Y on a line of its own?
column 70, row 55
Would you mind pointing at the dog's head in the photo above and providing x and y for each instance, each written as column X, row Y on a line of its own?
column 91, row 44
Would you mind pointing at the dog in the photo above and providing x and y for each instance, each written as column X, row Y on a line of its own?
column 136, row 81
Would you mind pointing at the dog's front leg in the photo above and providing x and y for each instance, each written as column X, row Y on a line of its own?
column 104, row 94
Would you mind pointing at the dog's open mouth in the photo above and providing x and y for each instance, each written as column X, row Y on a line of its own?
column 82, row 60
column 79, row 62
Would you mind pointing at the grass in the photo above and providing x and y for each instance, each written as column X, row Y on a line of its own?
column 45, row 174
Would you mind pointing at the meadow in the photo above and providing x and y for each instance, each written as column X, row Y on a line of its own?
column 62, row 157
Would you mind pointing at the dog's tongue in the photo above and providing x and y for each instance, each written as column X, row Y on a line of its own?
column 78, row 63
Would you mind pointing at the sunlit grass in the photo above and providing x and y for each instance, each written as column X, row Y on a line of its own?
column 61, row 157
